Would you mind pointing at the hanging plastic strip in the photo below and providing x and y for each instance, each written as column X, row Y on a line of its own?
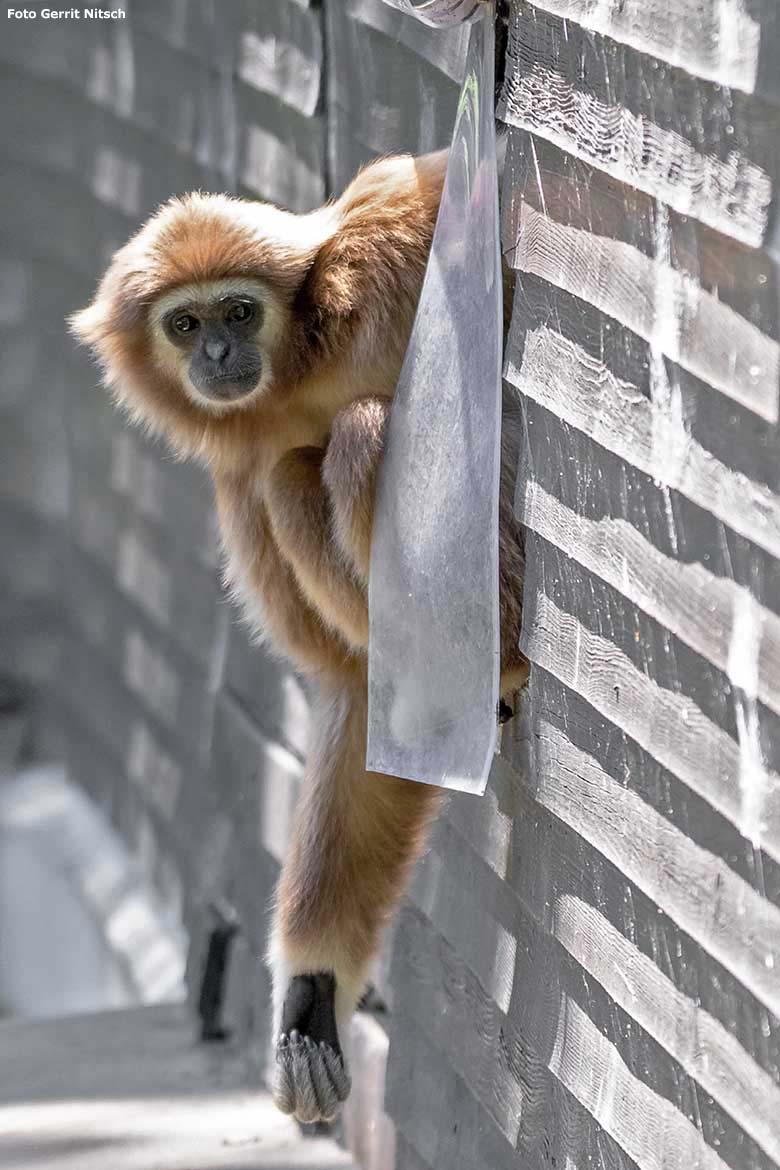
column 437, row 12
column 433, row 593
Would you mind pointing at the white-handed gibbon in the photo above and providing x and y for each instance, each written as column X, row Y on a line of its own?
column 267, row 345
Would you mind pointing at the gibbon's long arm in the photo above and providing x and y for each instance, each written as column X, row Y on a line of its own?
column 355, row 837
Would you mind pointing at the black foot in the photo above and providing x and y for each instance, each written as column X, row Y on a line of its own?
column 311, row 1079
column 504, row 712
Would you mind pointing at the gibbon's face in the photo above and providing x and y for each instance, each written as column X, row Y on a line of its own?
column 216, row 337
column 194, row 320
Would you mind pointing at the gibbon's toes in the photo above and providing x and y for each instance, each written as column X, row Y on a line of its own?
column 311, row 1079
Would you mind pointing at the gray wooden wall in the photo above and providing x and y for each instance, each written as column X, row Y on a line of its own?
column 587, row 970
column 638, row 209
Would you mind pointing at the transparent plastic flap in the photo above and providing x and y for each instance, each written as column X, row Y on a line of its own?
column 437, row 12
column 433, row 594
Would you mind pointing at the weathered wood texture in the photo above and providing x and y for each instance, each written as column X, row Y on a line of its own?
column 642, row 831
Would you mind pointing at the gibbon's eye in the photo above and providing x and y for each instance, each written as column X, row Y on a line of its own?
column 240, row 312
column 184, row 323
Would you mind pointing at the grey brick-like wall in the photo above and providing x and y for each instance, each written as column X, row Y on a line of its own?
column 585, row 972
column 190, row 739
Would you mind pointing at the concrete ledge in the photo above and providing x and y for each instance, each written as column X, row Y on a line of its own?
column 133, row 1090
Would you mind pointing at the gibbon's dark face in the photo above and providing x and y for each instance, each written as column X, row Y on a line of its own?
column 214, row 334
column 220, row 341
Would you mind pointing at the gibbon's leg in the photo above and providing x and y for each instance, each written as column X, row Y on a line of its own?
column 355, row 838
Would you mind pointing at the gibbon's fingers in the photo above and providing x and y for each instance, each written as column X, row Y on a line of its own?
column 300, row 516
column 349, row 470
column 310, row 1080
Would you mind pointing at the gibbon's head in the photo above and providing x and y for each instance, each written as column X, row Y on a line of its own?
column 193, row 320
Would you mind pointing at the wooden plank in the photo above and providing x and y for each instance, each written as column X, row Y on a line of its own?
column 663, row 862
column 672, row 522
column 577, row 194
column 445, row 49
column 655, row 785
column 280, row 52
column 563, row 377
column 697, row 1040
column 716, row 41
column 667, row 725
column 503, row 1064
column 453, row 1129
column 647, row 124
column 562, row 1022
column 636, row 890
column 662, row 305
column 687, row 688
column 488, row 946
column 374, row 84
column 711, row 614
column 703, row 1047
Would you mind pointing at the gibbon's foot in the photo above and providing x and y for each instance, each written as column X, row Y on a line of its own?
column 311, row 1079
column 504, row 712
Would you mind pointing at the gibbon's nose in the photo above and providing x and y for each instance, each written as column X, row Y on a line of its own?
column 217, row 349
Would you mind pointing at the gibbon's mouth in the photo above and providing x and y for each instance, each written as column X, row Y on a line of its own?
column 227, row 387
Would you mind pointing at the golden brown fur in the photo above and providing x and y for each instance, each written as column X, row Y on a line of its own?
column 294, row 472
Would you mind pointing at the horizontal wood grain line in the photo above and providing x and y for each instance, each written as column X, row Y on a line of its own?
column 445, row 1020
column 669, row 726
column 701, row 609
column 691, row 1035
column 700, row 1043
column 650, row 1128
column 486, row 945
column 570, row 87
column 666, row 307
column 694, row 887
column 554, row 1031
column 715, row 39
column 564, row 378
